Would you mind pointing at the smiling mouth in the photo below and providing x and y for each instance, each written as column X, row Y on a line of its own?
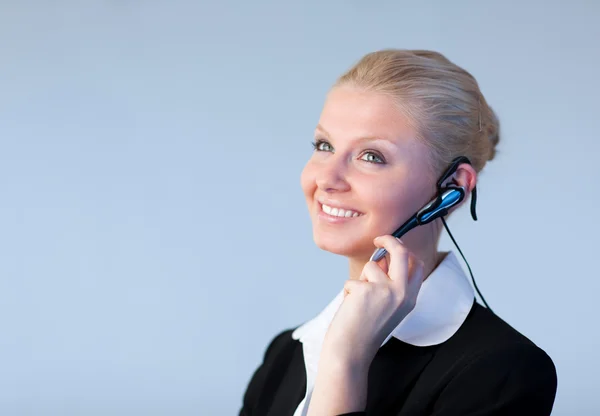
column 339, row 212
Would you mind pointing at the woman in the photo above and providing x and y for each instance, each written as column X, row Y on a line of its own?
column 404, row 336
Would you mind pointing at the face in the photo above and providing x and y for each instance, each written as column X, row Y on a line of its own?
column 367, row 166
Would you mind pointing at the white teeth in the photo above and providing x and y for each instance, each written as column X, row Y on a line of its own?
column 339, row 212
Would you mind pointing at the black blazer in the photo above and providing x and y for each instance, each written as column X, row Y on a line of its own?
column 485, row 368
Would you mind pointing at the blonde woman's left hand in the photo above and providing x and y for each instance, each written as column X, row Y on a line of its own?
column 375, row 304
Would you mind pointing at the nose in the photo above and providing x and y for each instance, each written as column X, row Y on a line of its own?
column 332, row 176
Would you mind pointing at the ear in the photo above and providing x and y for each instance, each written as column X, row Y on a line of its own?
column 465, row 177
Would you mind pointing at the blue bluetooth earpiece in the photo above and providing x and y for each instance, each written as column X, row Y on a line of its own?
column 439, row 207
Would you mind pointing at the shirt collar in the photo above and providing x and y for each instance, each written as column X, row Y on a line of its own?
column 443, row 303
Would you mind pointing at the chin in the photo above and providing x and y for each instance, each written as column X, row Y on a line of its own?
column 341, row 246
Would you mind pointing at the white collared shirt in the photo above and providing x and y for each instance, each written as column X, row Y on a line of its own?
column 443, row 303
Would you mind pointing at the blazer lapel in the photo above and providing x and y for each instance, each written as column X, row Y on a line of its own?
column 292, row 387
column 393, row 372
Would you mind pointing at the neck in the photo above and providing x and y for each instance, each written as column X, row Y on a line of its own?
column 431, row 260
column 423, row 246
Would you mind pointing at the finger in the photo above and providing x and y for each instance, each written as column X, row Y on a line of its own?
column 384, row 263
column 399, row 255
column 373, row 273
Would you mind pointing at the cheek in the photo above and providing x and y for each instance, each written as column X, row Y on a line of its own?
column 391, row 204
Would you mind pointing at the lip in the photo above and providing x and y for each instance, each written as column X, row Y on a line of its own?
column 331, row 219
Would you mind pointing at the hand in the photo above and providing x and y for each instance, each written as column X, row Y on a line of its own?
column 375, row 304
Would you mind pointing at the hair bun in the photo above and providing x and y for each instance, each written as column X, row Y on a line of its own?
column 490, row 130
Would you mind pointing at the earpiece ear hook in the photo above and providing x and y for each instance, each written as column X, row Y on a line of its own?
column 449, row 172
column 453, row 167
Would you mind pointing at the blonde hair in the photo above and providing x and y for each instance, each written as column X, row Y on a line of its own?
column 441, row 100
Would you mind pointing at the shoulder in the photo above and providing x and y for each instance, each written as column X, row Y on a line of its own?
column 497, row 365
column 486, row 349
column 521, row 362
column 265, row 378
column 279, row 342
column 485, row 333
column 488, row 342
column 484, row 330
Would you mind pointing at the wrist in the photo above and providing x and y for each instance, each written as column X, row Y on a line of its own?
column 340, row 350
column 347, row 362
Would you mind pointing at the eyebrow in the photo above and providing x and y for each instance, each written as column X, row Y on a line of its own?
column 361, row 139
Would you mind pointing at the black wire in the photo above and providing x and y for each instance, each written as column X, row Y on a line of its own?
column 463, row 256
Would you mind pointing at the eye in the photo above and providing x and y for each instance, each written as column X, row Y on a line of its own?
column 374, row 158
column 369, row 156
column 321, row 146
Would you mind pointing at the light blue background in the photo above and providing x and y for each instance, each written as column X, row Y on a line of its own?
column 153, row 234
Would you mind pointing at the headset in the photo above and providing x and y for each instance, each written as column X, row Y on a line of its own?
column 447, row 197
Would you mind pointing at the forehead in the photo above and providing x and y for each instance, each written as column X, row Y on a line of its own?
column 350, row 113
